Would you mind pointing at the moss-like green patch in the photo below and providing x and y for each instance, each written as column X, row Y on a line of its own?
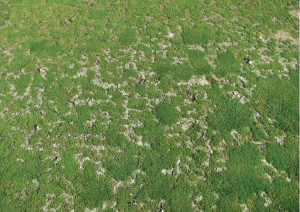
column 284, row 157
column 279, row 99
column 243, row 177
column 128, row 36
column 196, row 36
column 166, row 113
column 229, row 114
column 226, row 63
column 198, row 61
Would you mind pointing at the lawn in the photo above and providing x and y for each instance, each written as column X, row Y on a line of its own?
column 149, row 105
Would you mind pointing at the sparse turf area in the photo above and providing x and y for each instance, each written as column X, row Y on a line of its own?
column 187, row 105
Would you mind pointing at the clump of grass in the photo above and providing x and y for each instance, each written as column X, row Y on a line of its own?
column 286, row 195
column 94, row 191
column 71, row 168
column 228, row 204
column 166, row 113
column 127, row 37
column 97, row 14
column 165, row 71
column 243, row 178
column 113, row 136
column 193, row 131
column 44, row 47
column 279, row 99
column 195, row 36
column 228, row 114
column 94, row 45
column 198, row 61
column 84, row 113
column 152, row 132
column 23, row 83
column 162, row 69
column 226, row 63
column 122, row 165
column 284, row 157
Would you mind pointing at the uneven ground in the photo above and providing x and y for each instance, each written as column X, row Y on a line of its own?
column 149, row 105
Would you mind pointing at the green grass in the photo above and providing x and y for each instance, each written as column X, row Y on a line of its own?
column 44, row 47
column 128, row 36
column 279, row 99
column 243, row 177
column 196, row 36
column 137, row 106
column 198, row 61
column 229, row 114
column 226, row 63
column 284, row 157
column 286, row 195
column 166, row 113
